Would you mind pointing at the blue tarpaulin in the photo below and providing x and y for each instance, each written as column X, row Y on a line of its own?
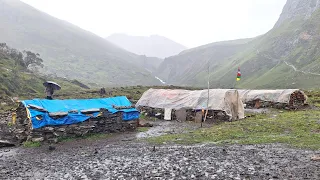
column 73, row 108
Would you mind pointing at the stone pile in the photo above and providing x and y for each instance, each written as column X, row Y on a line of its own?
column 6, row 138
column 105, row 123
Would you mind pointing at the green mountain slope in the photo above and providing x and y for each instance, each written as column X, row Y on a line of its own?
column 287, row 56
column 17, row 80
column 67, row 50
column 190, row 66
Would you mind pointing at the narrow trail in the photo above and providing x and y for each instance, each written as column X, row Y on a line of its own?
column 295, row 69
column 288, row 64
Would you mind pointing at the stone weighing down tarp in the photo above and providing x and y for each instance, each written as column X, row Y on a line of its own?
column 224, row 100
column 283, row 96
column 72, row 110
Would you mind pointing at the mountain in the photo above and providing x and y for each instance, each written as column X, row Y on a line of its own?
column 67, row 50
column 190, row 66
column 287, row 56
column 153, row 46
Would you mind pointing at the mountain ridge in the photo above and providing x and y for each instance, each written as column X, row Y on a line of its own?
column 69, row 51
column 153, row 45
column 263, row 60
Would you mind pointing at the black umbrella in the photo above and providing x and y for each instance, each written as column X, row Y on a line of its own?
column 52, row 84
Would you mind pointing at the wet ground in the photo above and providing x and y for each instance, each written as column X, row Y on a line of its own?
column 128, row 156
column 161, row 127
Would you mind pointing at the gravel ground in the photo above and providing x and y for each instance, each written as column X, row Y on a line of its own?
column 128, row 156
column 122, row 158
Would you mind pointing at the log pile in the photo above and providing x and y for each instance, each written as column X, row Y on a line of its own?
column 297, row 99
column 106, row 123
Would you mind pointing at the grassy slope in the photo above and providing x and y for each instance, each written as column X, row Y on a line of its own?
column 190, row 66
column 262, row 60
column 67, row 50
column 15, row 81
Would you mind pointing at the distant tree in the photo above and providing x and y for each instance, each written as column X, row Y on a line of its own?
column 26, row 59
column 32, row 59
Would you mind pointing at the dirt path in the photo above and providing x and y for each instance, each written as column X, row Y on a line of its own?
column 125, row 156
column 295, row 69
column 288, row 64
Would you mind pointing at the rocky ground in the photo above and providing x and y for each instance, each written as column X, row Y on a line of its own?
column 125, row 156
column 141, row 161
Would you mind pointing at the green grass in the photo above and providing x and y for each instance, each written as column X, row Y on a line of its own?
column 299, row 129
column 30, row 144
column 142, row 129
column 313, row 97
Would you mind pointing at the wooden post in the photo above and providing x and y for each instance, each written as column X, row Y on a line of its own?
column 205, row 117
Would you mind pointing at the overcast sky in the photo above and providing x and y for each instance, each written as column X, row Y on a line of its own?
column 189, row 22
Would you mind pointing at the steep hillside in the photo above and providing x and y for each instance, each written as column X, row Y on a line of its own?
column 153, row 46
column 16, row 79
column 67, row 50
column 287, row 56
column 190, row 66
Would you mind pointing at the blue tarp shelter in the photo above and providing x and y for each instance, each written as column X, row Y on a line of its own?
column 72, row 108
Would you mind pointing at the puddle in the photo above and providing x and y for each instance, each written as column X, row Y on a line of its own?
column 162, row 128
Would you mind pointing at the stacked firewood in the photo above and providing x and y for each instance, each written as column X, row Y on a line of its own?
column 297, row 99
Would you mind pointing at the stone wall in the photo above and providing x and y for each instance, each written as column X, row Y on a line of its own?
column 189, row 113
column 108, row 123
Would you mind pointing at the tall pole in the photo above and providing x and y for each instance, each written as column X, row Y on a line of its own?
column 205, row 117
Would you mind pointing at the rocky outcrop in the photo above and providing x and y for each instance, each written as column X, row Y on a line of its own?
column 296, row 8
column 6, row 138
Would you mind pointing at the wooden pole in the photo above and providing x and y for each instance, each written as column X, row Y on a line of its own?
column 205, row 117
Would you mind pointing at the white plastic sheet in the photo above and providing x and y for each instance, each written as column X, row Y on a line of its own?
column 219, row 99
column 277, row 96
column 167, row 114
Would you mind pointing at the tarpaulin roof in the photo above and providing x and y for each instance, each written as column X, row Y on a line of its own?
column 277, row 95
column 72, row 108
column 219, row 99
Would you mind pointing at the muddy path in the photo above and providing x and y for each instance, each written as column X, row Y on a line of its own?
column 141, row 161
column 129, row 156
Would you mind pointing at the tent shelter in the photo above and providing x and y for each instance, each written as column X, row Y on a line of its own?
column 291, row 98
column 220, row 100
column 48, row 120
column 44, row 112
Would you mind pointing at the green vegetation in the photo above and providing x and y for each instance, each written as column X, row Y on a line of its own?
column 313, row 97
column 299, row 129
column 30, row 144
column 18, row 78
column 142, row 129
